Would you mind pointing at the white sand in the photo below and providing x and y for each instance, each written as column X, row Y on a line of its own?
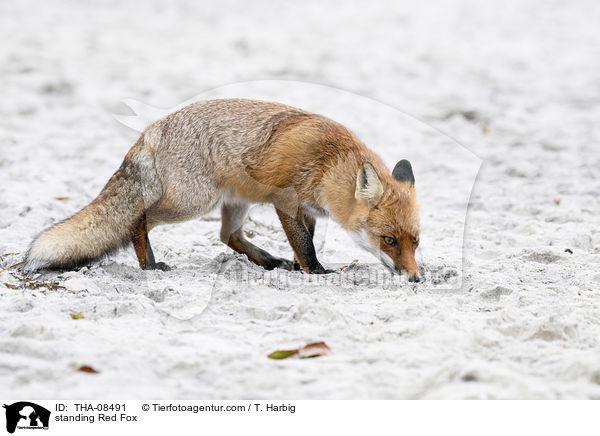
column 518, row 85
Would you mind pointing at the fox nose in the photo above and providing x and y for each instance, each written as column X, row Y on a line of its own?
column 414, row 278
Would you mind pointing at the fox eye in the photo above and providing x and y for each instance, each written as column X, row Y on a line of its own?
column 389, row 241
column 416, row 241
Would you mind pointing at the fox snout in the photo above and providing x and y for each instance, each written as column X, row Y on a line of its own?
column 413, row 275
column 408, row 264
column 404, row 265
column 397, row 255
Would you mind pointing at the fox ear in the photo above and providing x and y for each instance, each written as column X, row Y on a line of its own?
column 368, row 185
column 403, row 172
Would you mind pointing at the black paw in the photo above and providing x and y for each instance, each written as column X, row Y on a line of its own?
column 285, row 264
column 161, row 266
column 320, row 270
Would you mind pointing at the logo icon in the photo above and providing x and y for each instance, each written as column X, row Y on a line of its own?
column 26, row 415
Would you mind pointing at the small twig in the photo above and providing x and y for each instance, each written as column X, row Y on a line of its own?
column 12, row 266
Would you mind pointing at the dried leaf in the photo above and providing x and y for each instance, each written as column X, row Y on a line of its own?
column 313, row 350
column 88, row 369
column 282, row 354
column 62, row 198
column 77, row 315
column 11, row 286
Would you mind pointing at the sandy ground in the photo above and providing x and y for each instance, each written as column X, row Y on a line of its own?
column 497, row 109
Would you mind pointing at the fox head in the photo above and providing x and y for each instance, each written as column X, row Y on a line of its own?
column 386, row 216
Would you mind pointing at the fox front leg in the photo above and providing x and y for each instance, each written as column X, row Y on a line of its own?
column 300, row 238
column 310, row 222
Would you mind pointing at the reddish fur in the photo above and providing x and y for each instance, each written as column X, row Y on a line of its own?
column 320, row 159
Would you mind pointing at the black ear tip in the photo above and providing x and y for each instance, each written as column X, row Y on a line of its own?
column 403, row 172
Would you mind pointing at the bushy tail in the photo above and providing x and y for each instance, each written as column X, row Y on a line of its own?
column 104, row 225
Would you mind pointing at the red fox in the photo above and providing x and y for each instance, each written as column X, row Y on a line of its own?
column 233, row 152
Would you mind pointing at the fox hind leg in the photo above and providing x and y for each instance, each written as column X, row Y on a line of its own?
column 232, row 219
column 143, row 250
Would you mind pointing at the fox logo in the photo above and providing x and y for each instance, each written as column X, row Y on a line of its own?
column 234, row 152
column 24, row 414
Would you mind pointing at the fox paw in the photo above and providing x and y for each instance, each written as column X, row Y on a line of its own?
column 321, row 270
column 285, row 264
column 161, row 266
